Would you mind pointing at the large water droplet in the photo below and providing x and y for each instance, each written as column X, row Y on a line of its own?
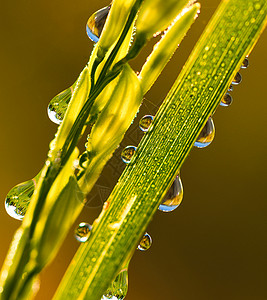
column 18, row 198
column 173, row 197
column 226, row 100
column 206, row 135
column 118, row 288
column 82, row 232
column 127, row 154
column 245, row 63
column 57, row 107
column 145, row 242
column 145, row 122
column 96, row 23
column 237, row 79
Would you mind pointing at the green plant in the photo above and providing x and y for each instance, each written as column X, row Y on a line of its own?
column 60, row 165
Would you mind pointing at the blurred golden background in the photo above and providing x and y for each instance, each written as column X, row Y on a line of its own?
column 214, row 245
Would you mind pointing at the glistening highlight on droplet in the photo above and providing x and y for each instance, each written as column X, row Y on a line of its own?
column 145, row 122
column 226, row 100
column 57, row 107
column 237, row 79
column 18, row 198
column 245, row 63
column 145, row 242
column 119, row 287
column 82, row 232
column 231, row 88
column 207, row 134
column 96, row 23
column 173, row 197
column 127, row 154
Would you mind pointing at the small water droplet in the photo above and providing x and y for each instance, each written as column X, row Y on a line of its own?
column 237, row 79
column 245, row 63
column 57, row 107
column 173, row 197
column 145, row 122
column 207, row 134
column 226, row 100
column 118, row 288
column 127, row 154
column 231, row 88
column 145, row 242
column 96, row 22
column 18, row 198
column 82, row 232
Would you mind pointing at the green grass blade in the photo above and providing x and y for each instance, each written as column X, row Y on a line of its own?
column 228, row 38
column 165, row 48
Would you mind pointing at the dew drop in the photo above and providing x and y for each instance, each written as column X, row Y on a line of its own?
column 173, row 197
column 237, row 79
column 231, row 88
column 145, row 122
column 96, row 23
column 118, row 288
column 18, row 198
column 127, row 154
column 82, row 232
column 57, row 107
column 145, row 242
column 226, row 100
column 245, row 63
column 207, row 134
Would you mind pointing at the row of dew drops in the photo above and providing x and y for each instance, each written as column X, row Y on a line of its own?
column 18, row 198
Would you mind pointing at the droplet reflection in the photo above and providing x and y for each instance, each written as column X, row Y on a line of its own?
column 173, row 197
column 127, row 154
column 145, row 242
column 145, row 122
column 57, row 107
column 226, row 100
column 245, row 63
column 231, row 88
column 18, row 198
column 82, row 232
column 96, row 23
column 118, row 288
column 237, row 79
column 207, row 134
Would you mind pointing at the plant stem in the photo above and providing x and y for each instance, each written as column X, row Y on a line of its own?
column 230, row 35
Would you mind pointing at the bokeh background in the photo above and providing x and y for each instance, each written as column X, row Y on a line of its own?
column 214, row 245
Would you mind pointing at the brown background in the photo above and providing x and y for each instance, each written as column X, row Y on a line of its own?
column 214, row 245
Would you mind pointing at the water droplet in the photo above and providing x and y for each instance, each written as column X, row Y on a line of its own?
column 237, row 79
column 96, row 23
column 231, row 88
column 226, row 100
column 245, row 63
column 118, row 288
column 57, row 107
column 145, row 122
column 173, row 197
column 145, row 242
column 18, row 198
column 207, row 134
column 127, row 154
column 82, row 232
